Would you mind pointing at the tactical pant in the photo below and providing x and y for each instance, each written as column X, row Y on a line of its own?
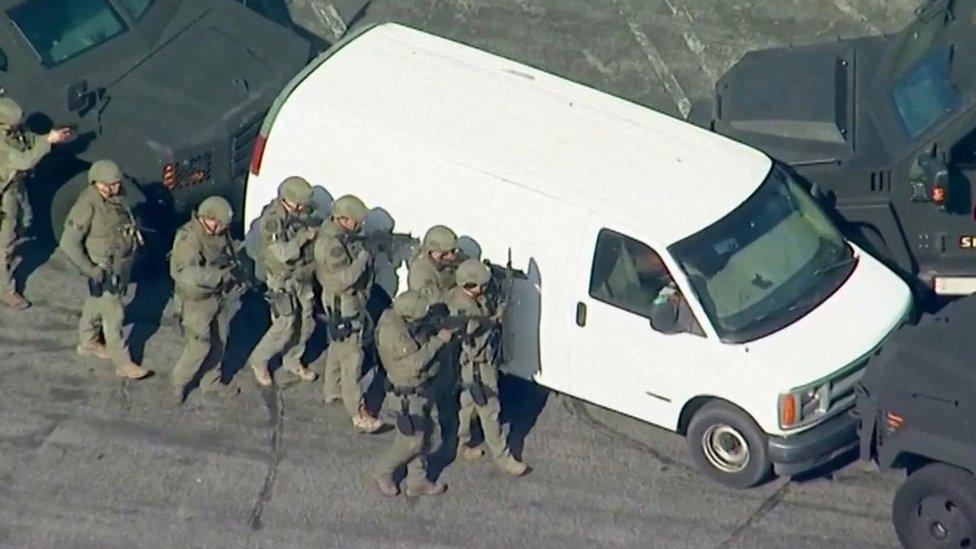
column 103, row 317
column 409, row 450
column 488, row 414
column 289, row 333
column 14, row 215
column 343, row 366
column 206, row 324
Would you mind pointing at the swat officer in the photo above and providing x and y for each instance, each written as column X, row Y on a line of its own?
column 101, row 238
column 344, row 270
column 432, row 273
column 288, row 230
column 20, row 151
column 432, row 269
column 479, row 368
column 207, row 293
column 409, row 359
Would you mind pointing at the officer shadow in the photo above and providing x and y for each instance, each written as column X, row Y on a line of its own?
column 145, row 311
column 246, row 329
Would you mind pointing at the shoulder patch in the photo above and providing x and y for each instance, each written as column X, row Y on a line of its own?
column 337, row 252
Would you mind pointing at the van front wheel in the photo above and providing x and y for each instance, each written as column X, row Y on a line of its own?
column 727, row 446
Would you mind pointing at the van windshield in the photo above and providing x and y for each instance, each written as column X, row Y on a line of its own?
column 61, row 29
column 766, row 264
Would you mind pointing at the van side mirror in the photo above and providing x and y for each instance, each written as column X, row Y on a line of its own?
column 664, row 317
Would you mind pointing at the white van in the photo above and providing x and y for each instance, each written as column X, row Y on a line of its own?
column 602, row 203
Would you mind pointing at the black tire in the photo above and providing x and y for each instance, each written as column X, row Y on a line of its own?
column 62, row 201
column 715, row 441
column 936, row 507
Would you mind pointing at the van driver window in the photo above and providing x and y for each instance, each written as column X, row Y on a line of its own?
column 630, row 275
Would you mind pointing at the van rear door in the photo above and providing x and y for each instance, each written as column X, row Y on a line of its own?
column 619, row 360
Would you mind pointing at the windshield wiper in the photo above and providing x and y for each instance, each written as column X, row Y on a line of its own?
column 832, row 266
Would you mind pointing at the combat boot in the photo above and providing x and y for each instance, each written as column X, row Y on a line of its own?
column 425, row 488
column 131, row 370
column 261, row 375
column 512, row 466
column 387, row 487
column 365, row 422
column 15, row 301
column 302, row 372
column 92, row 348
column 468, row 453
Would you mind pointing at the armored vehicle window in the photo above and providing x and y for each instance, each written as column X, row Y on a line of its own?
column 136, row 7
column 626, row 273
column 3, row 61
column 61, row 29
column 925, row 95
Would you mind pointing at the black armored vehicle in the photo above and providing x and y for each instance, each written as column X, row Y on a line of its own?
column 174, row 90
column 917, row 411
column 884, row 127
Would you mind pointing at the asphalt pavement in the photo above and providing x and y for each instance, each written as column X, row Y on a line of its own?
column 87, row 460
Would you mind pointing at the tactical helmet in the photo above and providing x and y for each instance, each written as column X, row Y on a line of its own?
column 351, row 207
column 472, row 271
column 440, row 239
column 104, row 171
column 411, row 304
column 217, row 208
column 10, row 112
column 296, row 189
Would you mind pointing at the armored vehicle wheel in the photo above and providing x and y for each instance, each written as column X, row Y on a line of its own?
column 62, row 201
column 727, row 445
column 936, row 507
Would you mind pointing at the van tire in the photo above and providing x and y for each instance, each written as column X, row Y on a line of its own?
column 937, row 500
column 715, row 441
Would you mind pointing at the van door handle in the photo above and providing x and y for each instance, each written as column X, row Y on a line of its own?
column 580, row 313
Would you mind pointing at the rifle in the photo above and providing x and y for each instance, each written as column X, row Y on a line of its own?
column 499, row 295
column 242, row 276
column 438, row 317
column 382, row 242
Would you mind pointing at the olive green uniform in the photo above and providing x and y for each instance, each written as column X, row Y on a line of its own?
column 346, row 276
column 477, row 366
column 101, row 234
column 434, row 283
column 286, row 251
column 409, row 364
column 20, row 152
column 431, row 281
column 202, row 275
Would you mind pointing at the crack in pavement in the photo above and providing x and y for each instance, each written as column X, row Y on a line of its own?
column 577, row 408
column 767, row 505
column 275, row 404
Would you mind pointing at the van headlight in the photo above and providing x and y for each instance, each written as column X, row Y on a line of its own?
column 803, row 406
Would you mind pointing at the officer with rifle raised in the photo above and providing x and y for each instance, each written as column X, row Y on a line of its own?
column 288, row 229
column 210, row 281
column 344, row 268
column 409, row 358
column 479, row 361
column 101, row 238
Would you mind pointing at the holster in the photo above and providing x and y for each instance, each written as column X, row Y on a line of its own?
column 96, row 287
column 479, row 393
column 282, row 303
column 114, row 285
column 341, row 327
column 404, row 421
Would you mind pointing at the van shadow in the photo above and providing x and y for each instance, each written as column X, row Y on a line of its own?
column 828, row 470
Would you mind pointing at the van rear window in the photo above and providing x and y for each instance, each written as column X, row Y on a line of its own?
column 61, row 29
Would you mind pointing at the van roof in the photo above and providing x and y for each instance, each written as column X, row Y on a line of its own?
column 659, row 175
